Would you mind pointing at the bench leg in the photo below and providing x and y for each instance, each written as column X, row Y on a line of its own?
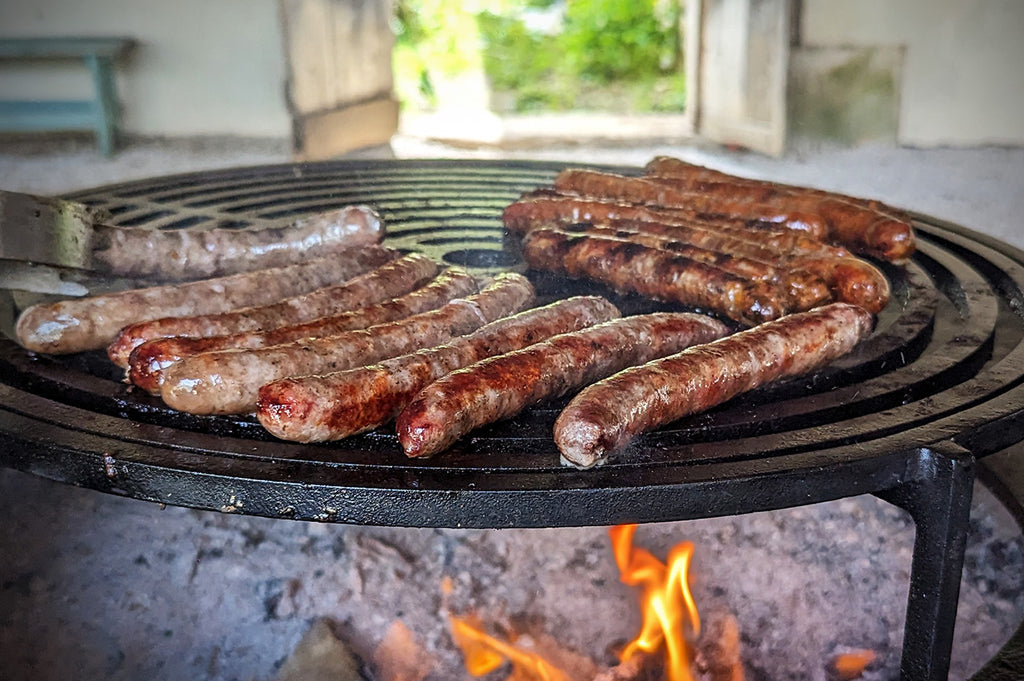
column 107, row 113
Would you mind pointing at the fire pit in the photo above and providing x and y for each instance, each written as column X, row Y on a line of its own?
column 938, row 386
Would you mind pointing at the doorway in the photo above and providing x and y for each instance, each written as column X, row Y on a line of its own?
column 510, row 71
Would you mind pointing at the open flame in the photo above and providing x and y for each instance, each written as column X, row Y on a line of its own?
column 484, row 653
column 670, row 617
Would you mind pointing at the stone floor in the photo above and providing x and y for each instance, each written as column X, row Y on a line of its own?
column 98, row 586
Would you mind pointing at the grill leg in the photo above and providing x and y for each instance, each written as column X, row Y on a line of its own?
column 939, row 501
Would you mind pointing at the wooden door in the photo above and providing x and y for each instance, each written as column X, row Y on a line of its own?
column 340, row 83
column 744, row 57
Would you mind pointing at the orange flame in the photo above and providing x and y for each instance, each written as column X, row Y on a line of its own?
column 670, row 616
column 483, row 654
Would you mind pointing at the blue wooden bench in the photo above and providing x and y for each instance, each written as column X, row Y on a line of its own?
column 100, row 114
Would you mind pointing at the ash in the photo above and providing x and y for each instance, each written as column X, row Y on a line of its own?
column 98, row 586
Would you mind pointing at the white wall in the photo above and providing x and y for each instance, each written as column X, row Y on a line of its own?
column 202, row 67
column 963, row 78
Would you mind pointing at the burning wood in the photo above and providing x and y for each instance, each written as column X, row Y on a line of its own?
column 718, row 656
column 849, row 665
column 400, row 657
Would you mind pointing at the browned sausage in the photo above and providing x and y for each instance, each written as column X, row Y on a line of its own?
column 151, row 359
column 693, row 175
column 330, row 407
column 502, row 386
column 802, row 281
column 227, row 381
column 849, row 279
column 861, row 227
column 387, row 281
column 796, row 288
column 651, row 192
column 651, row 272
column 92, row 323
column 187, row 254
column 544, row 210
column 604, row 417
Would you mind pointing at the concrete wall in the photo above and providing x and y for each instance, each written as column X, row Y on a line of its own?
column 962, row 77
column 202, row 67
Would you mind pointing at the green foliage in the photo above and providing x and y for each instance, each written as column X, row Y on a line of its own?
column 607, row 55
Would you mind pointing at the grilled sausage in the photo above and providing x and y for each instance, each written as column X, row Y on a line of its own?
column 849, row 279
column 547, row 209
column 334, row 406
column 797, row 289
column 863, row 230
column 92, row 323
column 604, row 417
column 693, row 175
column 802, row 281
column 502, row 386
column 184, row 254
column 227, row 382
column 387, row 281
column 149, row 360
column 651, row 272
column 651, row 192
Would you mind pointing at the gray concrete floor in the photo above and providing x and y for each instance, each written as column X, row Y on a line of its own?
column 98, row 586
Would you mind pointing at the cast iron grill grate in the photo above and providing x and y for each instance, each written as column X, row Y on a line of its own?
column 946, row 363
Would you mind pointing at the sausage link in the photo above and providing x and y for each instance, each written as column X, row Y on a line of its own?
column 604, row 417
column 502, row 386
column 849, row 279
column 693, row 175
column 334, row 406
column 651, row 192
column 797, row 289
column 863, row 229
column 149, row 360
column 92, row 323
column 651, row 272
column 227, row 381
column 548, row 209
column 803, row 281
column 387, row 281
column 186, row 254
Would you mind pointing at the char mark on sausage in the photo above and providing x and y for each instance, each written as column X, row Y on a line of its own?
column 502, row 386
column 592, row 183
column 337, row 405
column 606, row 416
column 651, row 272
column 392, row 279
column 227, row 381
column 149, row 360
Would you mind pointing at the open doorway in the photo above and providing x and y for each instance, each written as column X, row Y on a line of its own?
column 497, row 71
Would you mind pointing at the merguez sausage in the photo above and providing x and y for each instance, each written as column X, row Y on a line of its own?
column 333, row 406
column 92, row 323
column 604, row 417
column 187, row 254
column 387, row 281
column 651, row 272
column 227, row 382
column 149, row 360
column 502, row 386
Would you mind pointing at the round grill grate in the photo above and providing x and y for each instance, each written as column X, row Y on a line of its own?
column 946, row 362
